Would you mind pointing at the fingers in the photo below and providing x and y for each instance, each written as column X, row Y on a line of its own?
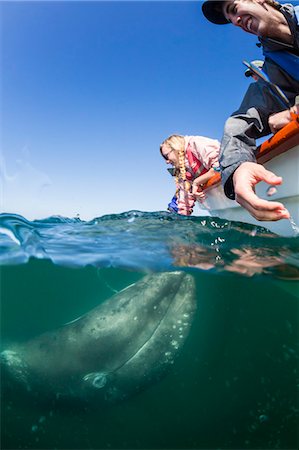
column 201, row 197
column 273, row 128
column 279, row 120
column 200, row 194
column 273, row 179
column 267, row 176
column 250, row 173
column 245, row 178
column 263, row 209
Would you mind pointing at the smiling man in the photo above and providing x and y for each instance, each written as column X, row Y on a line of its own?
column 277, row 28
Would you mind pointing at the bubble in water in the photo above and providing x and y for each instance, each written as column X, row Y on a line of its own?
column 263, row 418
column 271, row 191
column 294, row 226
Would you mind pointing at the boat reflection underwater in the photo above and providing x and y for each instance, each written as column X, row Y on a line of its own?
column 244, row 261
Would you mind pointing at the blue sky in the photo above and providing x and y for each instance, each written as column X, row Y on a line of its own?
column 90, row 89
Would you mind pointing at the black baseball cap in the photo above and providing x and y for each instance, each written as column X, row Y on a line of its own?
column 212, row 10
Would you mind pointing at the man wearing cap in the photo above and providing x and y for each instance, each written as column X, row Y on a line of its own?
column 277, row 28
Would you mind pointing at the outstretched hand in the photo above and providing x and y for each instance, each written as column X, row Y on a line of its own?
column 245, row 178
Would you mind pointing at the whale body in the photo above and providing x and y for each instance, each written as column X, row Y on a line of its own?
column 114, row 350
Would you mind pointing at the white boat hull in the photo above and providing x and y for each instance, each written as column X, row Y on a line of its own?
column 285, row 165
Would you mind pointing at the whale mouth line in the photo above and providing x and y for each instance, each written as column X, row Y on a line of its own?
column 139, row 350
column 143, row 345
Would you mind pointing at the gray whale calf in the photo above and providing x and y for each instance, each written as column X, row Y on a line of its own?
column 114, row 350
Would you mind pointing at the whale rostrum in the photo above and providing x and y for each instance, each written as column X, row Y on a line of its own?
column 114, row 350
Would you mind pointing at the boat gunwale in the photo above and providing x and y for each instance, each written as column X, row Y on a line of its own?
column 279, row 143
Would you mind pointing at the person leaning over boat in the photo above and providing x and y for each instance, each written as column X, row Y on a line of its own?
column 277, row 28
column 195, row 159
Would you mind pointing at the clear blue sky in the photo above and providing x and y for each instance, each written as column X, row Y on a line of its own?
column 90, row 89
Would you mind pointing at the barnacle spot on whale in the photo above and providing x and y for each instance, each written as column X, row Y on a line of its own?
column 97, row 379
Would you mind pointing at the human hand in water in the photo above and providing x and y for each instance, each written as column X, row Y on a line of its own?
column 245, row 178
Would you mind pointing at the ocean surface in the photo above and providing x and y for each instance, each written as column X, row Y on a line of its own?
column 233, row 383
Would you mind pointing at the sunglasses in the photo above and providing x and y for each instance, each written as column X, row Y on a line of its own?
column 165, row 156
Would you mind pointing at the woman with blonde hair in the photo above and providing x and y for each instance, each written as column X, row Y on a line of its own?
column 195, row 160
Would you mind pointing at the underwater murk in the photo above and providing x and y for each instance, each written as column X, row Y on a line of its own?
column 148, row 331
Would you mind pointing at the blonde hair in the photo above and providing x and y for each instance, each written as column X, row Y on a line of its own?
column 177, row 143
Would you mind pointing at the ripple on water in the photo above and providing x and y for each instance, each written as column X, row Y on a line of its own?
column 151, row 241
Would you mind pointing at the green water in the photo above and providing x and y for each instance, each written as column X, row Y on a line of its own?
column 233, row 386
